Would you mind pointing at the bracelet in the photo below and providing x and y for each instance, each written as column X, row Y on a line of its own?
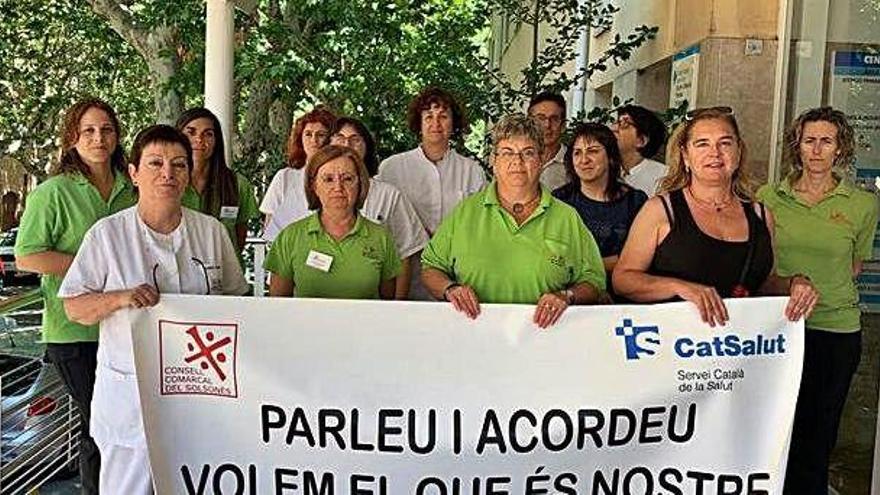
column 448, row 288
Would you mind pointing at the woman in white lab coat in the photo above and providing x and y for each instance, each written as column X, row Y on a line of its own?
column 126, row 260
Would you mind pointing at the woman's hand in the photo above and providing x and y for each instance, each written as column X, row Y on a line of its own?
column 464, row 299
column 550, row 307
column 142, row 296
column 709, row 303
column 802, row 298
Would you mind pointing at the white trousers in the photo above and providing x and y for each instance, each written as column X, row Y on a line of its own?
column 124, row 470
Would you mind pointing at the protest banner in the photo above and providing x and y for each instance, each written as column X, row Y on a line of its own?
column 286, row 396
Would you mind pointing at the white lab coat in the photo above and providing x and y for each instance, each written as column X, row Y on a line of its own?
column 121, row 252
column 553, row 174
column 646, row 176
column 285, row 201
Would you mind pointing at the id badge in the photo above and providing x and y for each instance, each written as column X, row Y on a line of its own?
column 319, row 261
column 228, row 212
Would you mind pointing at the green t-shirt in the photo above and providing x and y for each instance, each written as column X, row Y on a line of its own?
column 228, row 216
column 361, row 260
column 822, row 241
column 56, row 217
column 479, row 244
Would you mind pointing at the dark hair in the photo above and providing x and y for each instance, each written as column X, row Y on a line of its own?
column 549, row 96
column 846, row 144
column 434, row 96
column 329, row 153
column 296, row 154
column 222, row 187
column 648, row 125
column 70, row 161
column 163, row 134
column 371, row 161
column 602, row 135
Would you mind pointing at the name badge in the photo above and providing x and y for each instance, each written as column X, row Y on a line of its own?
column 228, row 212
column 319, row 261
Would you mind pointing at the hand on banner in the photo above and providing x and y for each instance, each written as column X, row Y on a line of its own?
column 464, row 299
column 550, row 307
column 709, row 303
column 802, row 298
column 140, row 297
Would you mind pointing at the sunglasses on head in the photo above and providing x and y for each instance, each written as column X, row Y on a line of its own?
column 697, row 112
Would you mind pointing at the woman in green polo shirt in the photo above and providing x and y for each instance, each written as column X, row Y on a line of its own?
column 825, row 228
column 334, row 253
column 215, row 189
column 513, row 242
column 88, row 183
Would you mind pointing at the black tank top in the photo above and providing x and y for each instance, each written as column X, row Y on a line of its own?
column 689, row 254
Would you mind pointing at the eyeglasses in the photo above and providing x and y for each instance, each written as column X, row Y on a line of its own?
column 345, row 180
column 194, row 260
column 697, row 112
column 527, row 155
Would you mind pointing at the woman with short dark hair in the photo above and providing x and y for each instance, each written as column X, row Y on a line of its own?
column 433, row 176
column 126, row 260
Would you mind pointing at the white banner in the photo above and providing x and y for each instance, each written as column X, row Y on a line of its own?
column 286, row 396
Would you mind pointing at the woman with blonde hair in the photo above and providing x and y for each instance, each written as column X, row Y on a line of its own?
column 702, row 238
column 825, row 228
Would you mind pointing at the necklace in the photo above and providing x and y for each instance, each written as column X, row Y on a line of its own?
column 711, row 204
column 518, row 208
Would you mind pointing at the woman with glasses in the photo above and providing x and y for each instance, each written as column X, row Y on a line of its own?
column 334, row 252
column 88, row 183
column 606, row 205
column 703, row 238
column 283, row 201
column 126, row 260
column 513, row 242
column 215, row 189
column 385, row 204
column 825, row 228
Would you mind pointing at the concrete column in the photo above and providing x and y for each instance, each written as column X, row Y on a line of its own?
column 219, row 63
column 625, row 86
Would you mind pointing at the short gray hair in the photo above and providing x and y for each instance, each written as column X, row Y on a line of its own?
column 517, row 125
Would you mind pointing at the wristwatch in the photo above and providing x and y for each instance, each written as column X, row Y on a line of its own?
column 569, row 296
column 448, row 288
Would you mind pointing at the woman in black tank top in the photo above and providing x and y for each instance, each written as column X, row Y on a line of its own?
column 703, row 239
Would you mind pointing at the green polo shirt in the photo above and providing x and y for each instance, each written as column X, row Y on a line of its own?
column 247, row 208
column 56, row 217
column 362, row 259
column 480, row 244
column 822, row 241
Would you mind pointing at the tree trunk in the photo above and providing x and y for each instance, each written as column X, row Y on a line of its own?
column 158, row 46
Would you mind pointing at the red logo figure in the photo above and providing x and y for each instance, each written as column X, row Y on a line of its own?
column 210, row 352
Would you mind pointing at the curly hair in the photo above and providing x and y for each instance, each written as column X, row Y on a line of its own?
column 679, row 177
column 846, row 142
column 425, row 100
column 296, row 154
column 69, row 160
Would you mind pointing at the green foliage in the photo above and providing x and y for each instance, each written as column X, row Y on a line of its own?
column 359, row 57
column 53, row 52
